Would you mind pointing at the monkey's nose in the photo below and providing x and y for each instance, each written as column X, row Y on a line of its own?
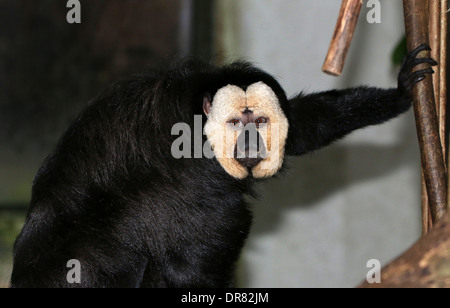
column 249, row 149
column 249, row 162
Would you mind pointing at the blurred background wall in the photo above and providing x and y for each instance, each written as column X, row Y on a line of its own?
column 356, row 200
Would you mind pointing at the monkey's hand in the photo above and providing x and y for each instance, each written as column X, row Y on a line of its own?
column 408, row 77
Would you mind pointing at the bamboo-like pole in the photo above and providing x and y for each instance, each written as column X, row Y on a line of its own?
column 434, row 26
column 443, row 79
column 426, row 219
column 434, row 29
column 416, row 26
column 438, row 43
column 443, row 87
column 342, row 37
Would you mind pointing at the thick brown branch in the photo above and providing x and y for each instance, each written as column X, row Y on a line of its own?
column 443, row 77
column 425, row 111
column 425, row 265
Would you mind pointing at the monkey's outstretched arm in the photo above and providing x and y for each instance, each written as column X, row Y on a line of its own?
column 318, row 119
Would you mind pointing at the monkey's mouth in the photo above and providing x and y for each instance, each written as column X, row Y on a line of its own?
column 250, row 157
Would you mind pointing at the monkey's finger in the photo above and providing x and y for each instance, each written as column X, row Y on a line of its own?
column 413, row 54
column 417, row 77
column 411, row 65
column 430, row 61
column 422, row 72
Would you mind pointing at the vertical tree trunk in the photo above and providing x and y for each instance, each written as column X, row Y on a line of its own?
column 425, row 111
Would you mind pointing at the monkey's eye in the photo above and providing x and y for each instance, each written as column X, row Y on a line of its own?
column 236, row 122
column 260, row 120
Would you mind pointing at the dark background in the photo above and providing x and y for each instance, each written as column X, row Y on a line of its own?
column 50, row 69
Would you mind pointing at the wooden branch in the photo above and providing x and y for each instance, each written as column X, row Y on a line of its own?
column 425, row 111
column 443, row 86
column 426, row 218
column 434, row 26
column 438, row 43
column 437, row 25
column 443, row 80
column 342, row 37
column 425, row 265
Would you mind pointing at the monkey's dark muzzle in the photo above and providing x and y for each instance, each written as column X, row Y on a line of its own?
column 250, row 149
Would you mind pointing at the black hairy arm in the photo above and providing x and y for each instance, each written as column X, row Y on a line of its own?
column 318, row 119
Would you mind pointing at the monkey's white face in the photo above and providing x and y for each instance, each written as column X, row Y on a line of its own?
column 247, row 130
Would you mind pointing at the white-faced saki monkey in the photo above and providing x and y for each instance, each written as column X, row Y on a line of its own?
column 119, row 195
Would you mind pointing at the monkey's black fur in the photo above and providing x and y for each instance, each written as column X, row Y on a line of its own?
column 112, row 196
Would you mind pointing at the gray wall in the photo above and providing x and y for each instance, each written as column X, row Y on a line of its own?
column 353, row 201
